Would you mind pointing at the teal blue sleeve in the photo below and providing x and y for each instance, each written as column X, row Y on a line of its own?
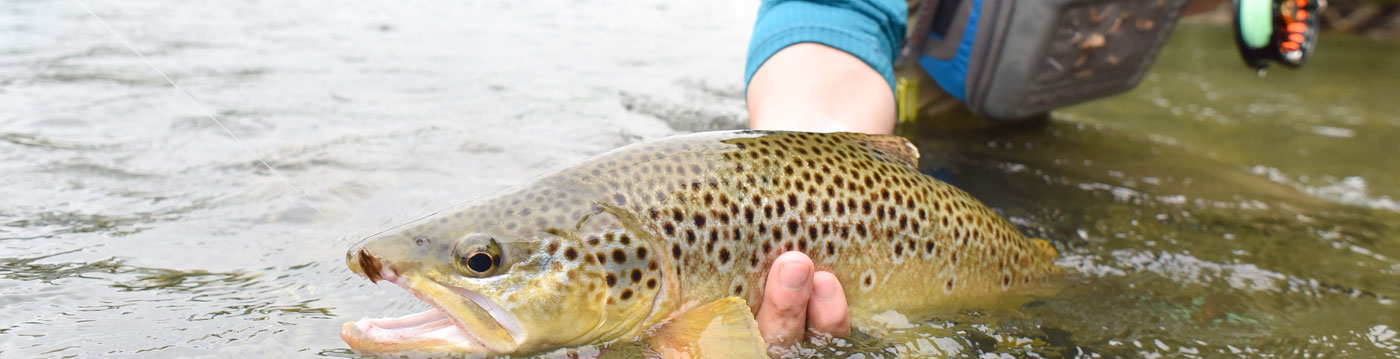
column 871, row 30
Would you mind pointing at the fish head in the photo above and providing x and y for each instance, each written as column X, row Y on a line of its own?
column 492, row 291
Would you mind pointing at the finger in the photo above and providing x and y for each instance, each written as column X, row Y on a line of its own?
column 782, row 318
column 827, row 312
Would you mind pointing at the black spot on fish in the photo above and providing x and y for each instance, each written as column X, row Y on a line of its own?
column 619, row 256
column 570, row 254
column 636, row 275
column 612, row 279
column 626, row 294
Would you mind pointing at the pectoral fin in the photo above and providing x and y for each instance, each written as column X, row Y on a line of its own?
column 720, row 329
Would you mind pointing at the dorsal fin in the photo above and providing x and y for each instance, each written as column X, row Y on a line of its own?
column 896, row 147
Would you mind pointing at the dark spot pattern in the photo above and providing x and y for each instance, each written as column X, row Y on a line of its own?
column 726, row 204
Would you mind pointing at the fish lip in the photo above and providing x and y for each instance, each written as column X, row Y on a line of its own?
column 356, row 333
column 504, row 318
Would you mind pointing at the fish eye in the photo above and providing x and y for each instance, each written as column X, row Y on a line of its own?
column 478, row 255
column 479, row 262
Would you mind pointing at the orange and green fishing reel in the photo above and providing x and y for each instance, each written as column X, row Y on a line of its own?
column 1282, row 31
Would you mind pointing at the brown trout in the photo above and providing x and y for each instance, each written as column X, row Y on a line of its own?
column 667, row 240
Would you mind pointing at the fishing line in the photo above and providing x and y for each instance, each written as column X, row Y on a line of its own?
column 205, row 110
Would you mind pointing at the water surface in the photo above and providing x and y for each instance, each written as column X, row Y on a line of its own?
column 1209, row 213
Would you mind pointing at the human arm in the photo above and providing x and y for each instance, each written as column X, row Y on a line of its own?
column 814, row 87
column 825, row 65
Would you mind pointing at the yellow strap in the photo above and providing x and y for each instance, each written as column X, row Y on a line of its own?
column 906, row 97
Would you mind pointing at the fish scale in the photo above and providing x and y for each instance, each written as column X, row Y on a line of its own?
column 630, row 238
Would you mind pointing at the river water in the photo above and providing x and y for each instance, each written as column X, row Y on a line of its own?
column 1208, row 213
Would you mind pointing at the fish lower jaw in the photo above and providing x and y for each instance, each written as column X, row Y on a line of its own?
column 430, row 331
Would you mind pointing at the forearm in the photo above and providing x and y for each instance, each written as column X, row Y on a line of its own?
column 813, row 87
column 825, row 66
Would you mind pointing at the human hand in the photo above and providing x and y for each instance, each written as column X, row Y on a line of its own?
column 795, row 298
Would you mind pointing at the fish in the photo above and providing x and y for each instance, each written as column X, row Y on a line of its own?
column 668, row 241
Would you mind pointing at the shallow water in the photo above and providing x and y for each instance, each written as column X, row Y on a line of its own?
column 1209, row 213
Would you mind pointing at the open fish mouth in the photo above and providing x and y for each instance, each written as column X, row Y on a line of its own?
column 433, row 330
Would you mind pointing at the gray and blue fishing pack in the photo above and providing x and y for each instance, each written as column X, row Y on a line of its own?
column 1011, row 59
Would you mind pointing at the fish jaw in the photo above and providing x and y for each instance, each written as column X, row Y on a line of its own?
column 429, row 331
column 473, row 325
